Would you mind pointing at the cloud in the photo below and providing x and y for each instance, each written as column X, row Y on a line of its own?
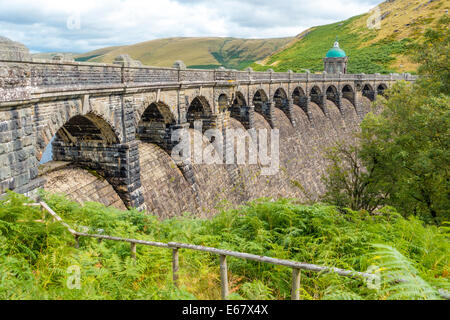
column 84, row 25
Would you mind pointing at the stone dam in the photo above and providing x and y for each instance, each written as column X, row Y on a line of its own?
column 110, row 129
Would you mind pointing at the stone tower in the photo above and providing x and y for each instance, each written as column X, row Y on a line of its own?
column 335, row 60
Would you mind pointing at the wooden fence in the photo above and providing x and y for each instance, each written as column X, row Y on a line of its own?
column 223, row 254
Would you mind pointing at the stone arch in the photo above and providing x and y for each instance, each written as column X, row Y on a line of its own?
column 332, row 94
column 223, row 102
column 89, row 128
column 281, row 101
column 199, row 109
column 317, row 97
column 155, row 123
column 239, row 109
column 261, row 103
column 368, row 92
column 300, row 99
column 381, row 89
column 349, row 94
column 62, row 112
column 90, row 141
column 260, row 97
column 69, row 124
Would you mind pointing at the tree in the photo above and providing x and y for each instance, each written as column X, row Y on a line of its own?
column 432, row 55
column 405, row 149
column 349, row 183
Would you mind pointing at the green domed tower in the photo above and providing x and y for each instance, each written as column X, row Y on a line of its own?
column 335, row 60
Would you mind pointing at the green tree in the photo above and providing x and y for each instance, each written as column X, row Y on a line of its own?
column 432, row 55
column 408, row 146
column 349, row 182
column 405, row 149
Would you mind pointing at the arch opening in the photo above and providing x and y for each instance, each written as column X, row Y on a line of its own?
column 368, row 92
column 281, row 100
column 381, row 89
column 223, row 102
column 239, row 110
column 262, row 105
column 260, row 101
column 199, row 110
column 155, row 123
column 300, row 99
column 81, row 129
column 316, row 95
column 349, row 94
column 333, row 95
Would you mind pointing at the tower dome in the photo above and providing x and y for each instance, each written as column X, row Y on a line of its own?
column 335, row 61
column 10, row 50
column 336, row 51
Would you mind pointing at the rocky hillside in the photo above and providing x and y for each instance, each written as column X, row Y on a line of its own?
column 194, row 52
column 375, row 42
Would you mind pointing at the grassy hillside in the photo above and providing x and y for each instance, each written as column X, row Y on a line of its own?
column 370, row 50
column 35, row 257
column 194, row 52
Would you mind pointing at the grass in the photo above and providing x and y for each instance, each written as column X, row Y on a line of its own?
column 194, row 52
column 35, row 257
column 369, row 50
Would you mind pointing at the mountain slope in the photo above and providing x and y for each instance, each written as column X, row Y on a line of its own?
column 370, row 50
column 194, row 52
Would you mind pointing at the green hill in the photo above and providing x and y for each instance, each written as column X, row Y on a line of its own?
column 194, row 52
column 370, row 50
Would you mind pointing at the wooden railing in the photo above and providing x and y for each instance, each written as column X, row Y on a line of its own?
column 223, row 254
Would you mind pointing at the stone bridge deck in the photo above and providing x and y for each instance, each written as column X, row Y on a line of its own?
column 98, row 113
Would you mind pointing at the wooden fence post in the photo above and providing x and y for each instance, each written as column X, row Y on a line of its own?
column 175, row 266
column 77, row 241
column 224, row 276
column 43, row 213
column 295, row 292
column 133, row 251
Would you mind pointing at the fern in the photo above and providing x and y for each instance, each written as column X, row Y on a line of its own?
column 400, row 279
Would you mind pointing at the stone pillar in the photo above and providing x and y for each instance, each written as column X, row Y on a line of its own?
column 307, row 107
column 339, row 101
column 185, row 166
column 269, row 113
column 232, row 169
column 358, row 100
column 323, row 103
column 212, row 122
column 290, row 110
column 18, row 154
column 117, row 163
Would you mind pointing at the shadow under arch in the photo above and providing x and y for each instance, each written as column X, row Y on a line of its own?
column 155, row 124
column 240, row 111
column 300, row 99
column 262, row 105
column 381, row 89
column 317, row 97
column 199, row 110
column 349, row 94
column 89, row 141
column 332, row 94
column 368, row 92
column 281, row 101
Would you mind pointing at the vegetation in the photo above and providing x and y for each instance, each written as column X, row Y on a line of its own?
column 405, row 149
column 370, row 50
column 35, row 257
column 203, row 53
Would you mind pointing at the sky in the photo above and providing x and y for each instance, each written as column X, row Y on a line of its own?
column 85, row 25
